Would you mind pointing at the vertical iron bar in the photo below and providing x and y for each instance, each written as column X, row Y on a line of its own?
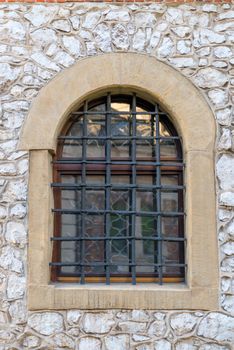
column 107, row 188
column 83, row 193
column 133, row 191
column 158, row 197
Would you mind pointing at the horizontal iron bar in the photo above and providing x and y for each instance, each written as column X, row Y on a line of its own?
column 117, row 113
column 71, row 186
column 111, row 238
column 142, row 138
column 111, row 264
column 114, row 162
column 118, row 212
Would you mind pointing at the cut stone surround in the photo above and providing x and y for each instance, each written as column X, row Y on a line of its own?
column 37, row 42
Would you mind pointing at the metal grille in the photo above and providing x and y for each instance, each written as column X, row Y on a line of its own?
column 118, row 188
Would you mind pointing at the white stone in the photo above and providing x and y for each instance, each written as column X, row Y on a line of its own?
column 52, row 50
column 16, row 233
column 10, row 259
column 161, row 26
column 228, row 264
column 230, row 229
column 8, row 74
column 166, row 48
column 46, row 323
column 139, row 40
column 75, row 21
column 17, row 190
column 85, row 34
column 98, row 322
column 8, row 147
column 225, row 284
column 182, row 62
column 120, row 37
column 206, row 36
column 102, row 37
column 63, row 12
column 62, row 25
column 118, row 15
column 91, row 48
column 144, row 347
column 226, row 15
column 227, row 198
column 228, row 248
column 22, row 166
column 204, row 51
column 184, row 47
column 64, row 59
column 154, row 40
column 225, row 142
column 3, row 212
column 18, row 211
column 139, row 338
column 222, row 27
column 89, row 343
column 185, row 346
column 73, row 317
column 132, row 327
column 145, row 19
column 31, row 341
column 13, row 30
column 203, row 62
column 162, row 344
column 18, row 312
column 198, row 20
column 174, row 15
column 228, row 305
column 222, row 52
column 15, row 287
column 73, row 45
column 209, row 8
column 7, row 169
column 139, row 315
column 43, row 36
column 218, row 97
column 225, row 172
column 44, row 61
column 210, row 78
column 213, row 346
column 40, row 14
column 117, row 342
column 91, row 20
column 183, row 323
column 181, row 31
column 63, row 341
column 224, row 215
column 158, row 328
column 217, row 326
column 220, row 64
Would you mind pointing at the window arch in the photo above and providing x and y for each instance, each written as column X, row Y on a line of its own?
column 194, row 121
column 118, row 194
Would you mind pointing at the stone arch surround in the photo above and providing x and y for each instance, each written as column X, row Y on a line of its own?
column 183, row 101
column 187, row 108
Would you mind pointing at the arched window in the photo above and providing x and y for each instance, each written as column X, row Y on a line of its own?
column 192, row 117
column 118, row 190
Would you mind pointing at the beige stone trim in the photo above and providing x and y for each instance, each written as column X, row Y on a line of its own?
column 195, row 122
column 145, row 74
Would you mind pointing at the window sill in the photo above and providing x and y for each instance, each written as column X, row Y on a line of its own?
column 121, row 296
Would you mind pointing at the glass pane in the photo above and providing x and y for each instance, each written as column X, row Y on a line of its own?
column 120, row 149
column 94, row 254
column 172, row 254
column 70, row 253
column 167, row 147
column 94, row 226
column 95, row 200
column 73, row 148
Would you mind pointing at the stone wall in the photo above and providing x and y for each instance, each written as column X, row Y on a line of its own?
column 37, row 42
